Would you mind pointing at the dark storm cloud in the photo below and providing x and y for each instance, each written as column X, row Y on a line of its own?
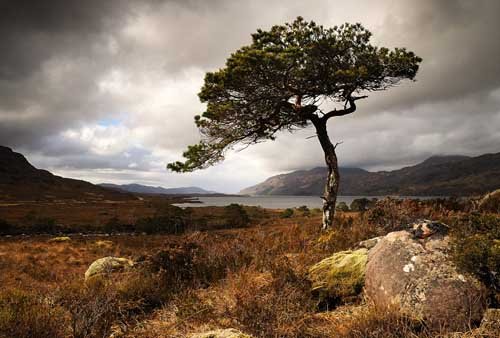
column 47, row 66
column 460, row 44
column 66, row 65
column 33, row 31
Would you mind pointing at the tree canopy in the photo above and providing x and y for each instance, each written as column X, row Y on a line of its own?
column 281, row 79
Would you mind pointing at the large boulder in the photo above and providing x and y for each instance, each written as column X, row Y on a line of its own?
column 411, row 270
column 339, row 276
column 107, row 265
column 223, row 333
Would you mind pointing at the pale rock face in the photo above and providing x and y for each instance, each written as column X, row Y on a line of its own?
column 107, row 265
column 412, row 271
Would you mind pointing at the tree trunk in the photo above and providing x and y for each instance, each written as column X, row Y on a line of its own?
column 332, row 181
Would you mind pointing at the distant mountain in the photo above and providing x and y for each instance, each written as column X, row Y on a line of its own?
column 436, row 176
column 20, row 181
column 145, row 189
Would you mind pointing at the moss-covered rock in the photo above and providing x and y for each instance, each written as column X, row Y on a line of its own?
column 59, row 239
column 341, row 275
column 223, row 333
column 107, row 265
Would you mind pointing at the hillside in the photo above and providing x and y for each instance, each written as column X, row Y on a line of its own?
column 21, row 181
column 438, row 175
column 145, row 189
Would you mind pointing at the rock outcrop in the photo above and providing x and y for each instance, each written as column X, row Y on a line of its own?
column 107, row 265
column 411, row 270
column 223, row 333
column 339, row 276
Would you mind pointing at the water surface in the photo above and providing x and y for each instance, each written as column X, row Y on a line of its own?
column 276, row 202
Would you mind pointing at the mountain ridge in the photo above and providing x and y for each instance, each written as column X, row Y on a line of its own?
column 146, row 189
column 21, row 181
column 452, row 175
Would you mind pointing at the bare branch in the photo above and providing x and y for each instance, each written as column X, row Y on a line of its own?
column 347, row 110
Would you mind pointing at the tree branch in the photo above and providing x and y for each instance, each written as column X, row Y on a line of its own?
column 351, row 109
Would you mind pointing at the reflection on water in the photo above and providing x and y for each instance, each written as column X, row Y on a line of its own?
column 276, row 202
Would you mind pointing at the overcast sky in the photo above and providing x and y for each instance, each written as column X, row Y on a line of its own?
column 106, row 91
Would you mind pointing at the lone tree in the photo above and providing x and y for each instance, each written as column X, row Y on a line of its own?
column 282, row 81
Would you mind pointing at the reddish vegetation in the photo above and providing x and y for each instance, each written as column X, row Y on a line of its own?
column 252, row 279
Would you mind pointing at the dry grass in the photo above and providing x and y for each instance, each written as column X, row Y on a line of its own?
column 252, row 279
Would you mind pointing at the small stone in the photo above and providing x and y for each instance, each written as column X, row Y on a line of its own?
column 59, row 239
column 408, row 267
column 222, row 333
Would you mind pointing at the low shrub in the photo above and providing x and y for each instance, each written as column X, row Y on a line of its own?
column 347, row 232
column 370, row 322
column 30, row 316
column 342, row 206
column 362, row 204
column 160, row 224
column 114, row 224
column 92, row 308
column 304, row 210
column 272, row 307
column 287, row 213
column 235, row 216
column 195, row 261
column 142, row 292
column 33, row 223
column 476, row 249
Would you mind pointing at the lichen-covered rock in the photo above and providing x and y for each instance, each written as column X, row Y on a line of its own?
column 107, row 265
column 59, row 239
column 340, row 275
column 411, row 270
column 223, row 333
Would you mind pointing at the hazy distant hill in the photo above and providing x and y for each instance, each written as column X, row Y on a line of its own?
column 145, row 189
column 438, row 175
column 19, row 180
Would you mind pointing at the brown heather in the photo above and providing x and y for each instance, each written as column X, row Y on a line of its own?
column 252, row 279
